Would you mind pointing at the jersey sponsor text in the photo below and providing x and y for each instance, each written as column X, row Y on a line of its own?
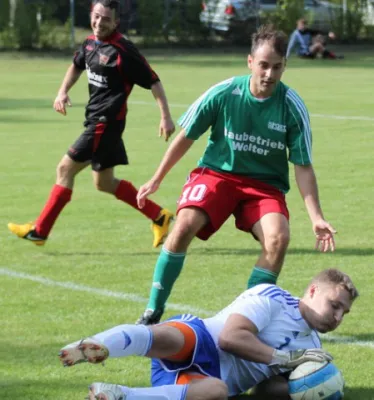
column 255, row 144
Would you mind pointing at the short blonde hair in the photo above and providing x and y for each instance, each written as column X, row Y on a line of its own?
column 338, row 278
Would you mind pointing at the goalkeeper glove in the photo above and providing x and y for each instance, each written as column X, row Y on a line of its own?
column 291, row 359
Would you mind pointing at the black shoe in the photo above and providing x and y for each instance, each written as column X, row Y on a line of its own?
column 150, row 317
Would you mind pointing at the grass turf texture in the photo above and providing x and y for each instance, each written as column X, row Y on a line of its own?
column 100, row 243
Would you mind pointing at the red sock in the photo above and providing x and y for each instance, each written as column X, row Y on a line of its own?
column 57, row 200
column 127, row 193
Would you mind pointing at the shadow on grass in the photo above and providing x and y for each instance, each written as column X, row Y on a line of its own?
column 349, row 394
column 213, row 251
column 17, row 119
column 29, row 103
column 48, row 388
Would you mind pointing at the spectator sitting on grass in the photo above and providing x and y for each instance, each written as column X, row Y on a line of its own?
column 310, row 43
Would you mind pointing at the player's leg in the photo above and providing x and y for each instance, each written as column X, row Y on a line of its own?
column 109, row 152
column 178, row 376
column 272, row 230
column 264, row 213
column 122, row 341
column 173, row 341
column 125, row 191
column 59, row 196
column 202, row 208
column 174, row 345
column 316, row 48
column 197, row 389
column 171, row 260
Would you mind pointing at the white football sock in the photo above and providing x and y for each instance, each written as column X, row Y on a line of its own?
column 127, row 340
column 166, row 392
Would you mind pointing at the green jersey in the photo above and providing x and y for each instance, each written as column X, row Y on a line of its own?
column 250, row 136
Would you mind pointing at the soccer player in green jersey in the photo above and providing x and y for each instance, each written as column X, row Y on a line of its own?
column 257, row 125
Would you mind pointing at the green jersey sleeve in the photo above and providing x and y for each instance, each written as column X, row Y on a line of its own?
column 203, row 112
column 299, row 134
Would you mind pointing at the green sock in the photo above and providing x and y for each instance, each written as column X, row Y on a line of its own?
column 261, row 275
column 168, row 267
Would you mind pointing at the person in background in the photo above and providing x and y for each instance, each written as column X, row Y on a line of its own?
column 310, row 43
column 113, row 65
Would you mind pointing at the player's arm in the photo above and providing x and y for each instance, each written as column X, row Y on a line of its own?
column 71, row 77
column 299, row 142
column 138, row 71
column 239, row 337
column 307, row 184
column 167, row 127
column 292, row 43
column 194, row 122
column 175, row 152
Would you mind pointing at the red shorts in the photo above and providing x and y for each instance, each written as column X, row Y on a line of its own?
column 223, row 194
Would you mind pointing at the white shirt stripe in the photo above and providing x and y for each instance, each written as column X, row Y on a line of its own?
column 190, row 113
column 294, row 98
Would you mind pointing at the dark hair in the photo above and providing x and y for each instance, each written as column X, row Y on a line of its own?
column 336, row 277
column 268, row 34
column 112, row 4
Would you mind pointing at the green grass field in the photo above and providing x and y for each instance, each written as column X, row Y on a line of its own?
column 95, row 271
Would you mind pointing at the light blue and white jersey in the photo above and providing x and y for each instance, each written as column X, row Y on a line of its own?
column 276, row 314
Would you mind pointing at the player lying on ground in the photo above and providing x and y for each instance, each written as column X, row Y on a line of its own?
column 264, row 333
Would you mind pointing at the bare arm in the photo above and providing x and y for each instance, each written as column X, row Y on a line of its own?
column 307, row 183
column 167, row 127
column 238, row 337
column 175, row 152
column 71, row 77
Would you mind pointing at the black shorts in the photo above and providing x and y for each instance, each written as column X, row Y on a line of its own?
column 102, row 144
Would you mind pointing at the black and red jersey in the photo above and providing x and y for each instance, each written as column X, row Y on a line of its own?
column 113, row 67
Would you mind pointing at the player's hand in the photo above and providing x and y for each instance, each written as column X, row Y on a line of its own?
column 167, row 128
column 60, row 103
column 291, row 359
column 324, row 236
column 145, row 190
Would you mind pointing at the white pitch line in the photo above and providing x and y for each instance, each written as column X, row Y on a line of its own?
column 326, row 116
column 139, row 299
column 101, row 292
column 347, row 340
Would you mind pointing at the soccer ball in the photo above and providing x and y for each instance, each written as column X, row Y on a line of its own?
column 316, row 381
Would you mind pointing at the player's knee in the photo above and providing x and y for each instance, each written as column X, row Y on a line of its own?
column 63, row 170
column 106, row 185
column 277, row 241
column 189, row 222
column 180, row 237
column 102, row 186
column 208, row 388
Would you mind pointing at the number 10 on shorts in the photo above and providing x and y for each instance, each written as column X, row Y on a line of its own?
column 195, row 193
